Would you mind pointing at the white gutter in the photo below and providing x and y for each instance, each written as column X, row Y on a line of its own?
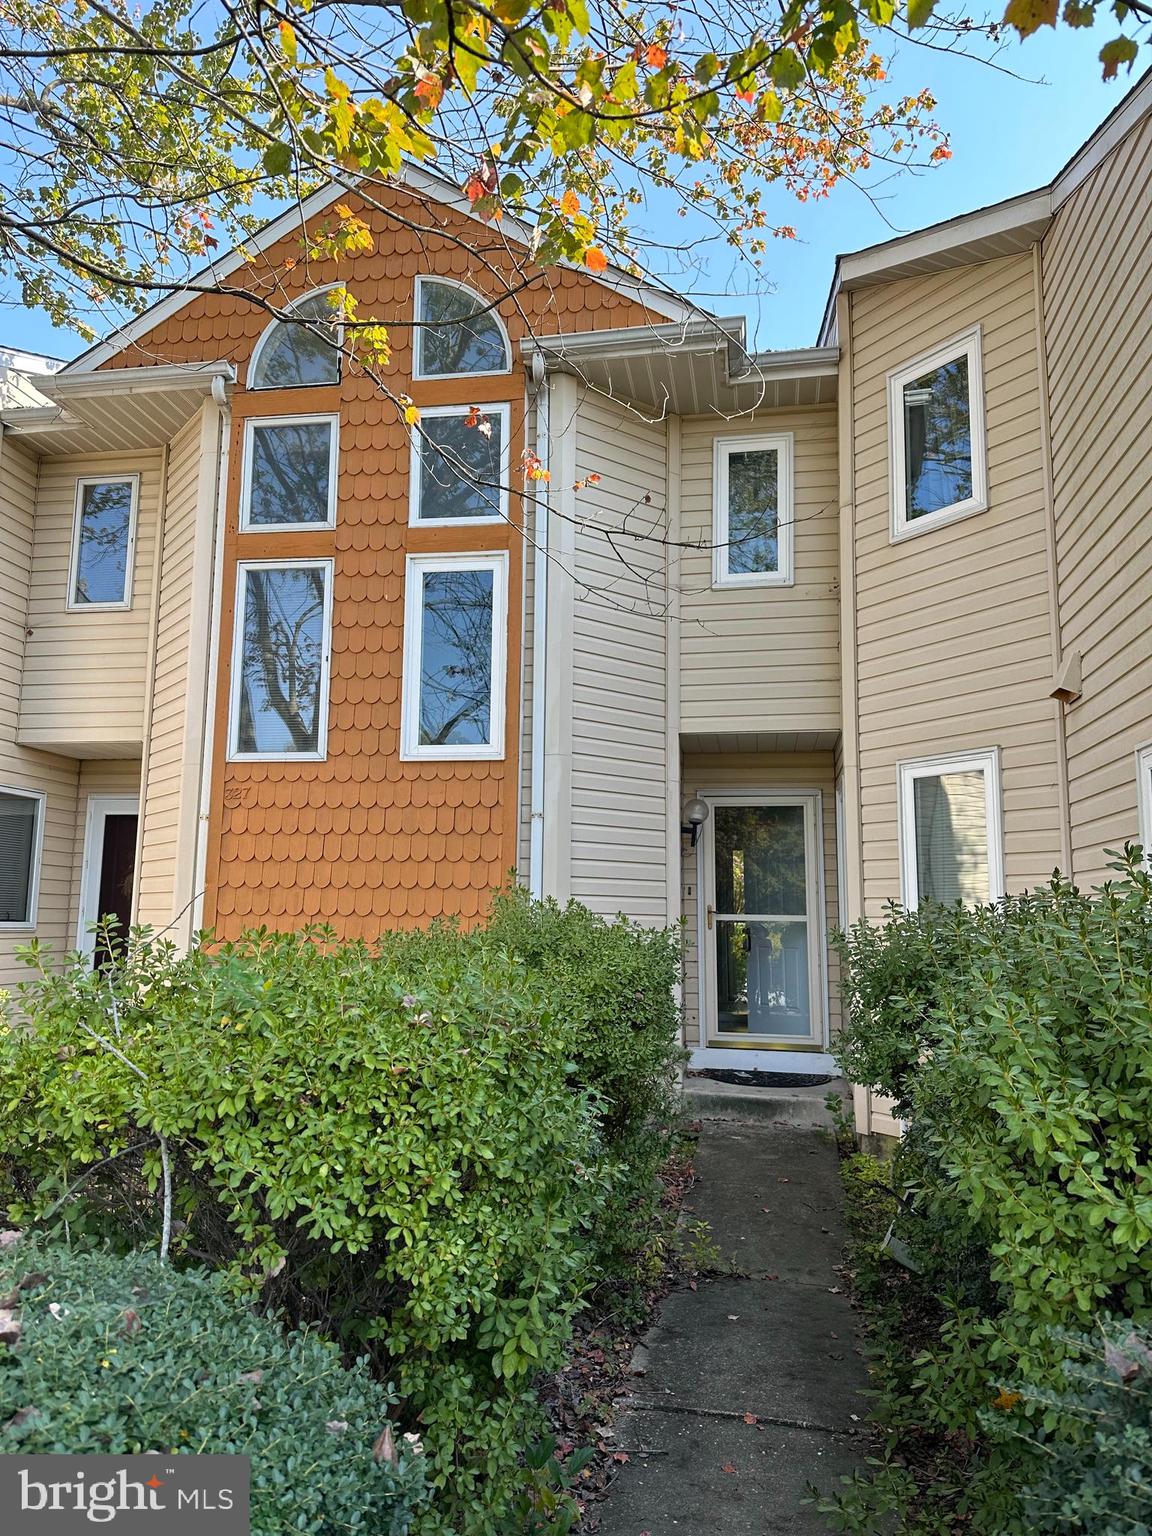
column 215, row 641
column 539, row 633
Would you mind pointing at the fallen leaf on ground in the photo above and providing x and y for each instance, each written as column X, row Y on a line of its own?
column 750, row 1418
column 728, row 1467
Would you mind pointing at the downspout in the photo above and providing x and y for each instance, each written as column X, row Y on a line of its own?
column 672, row 672
column 1063, row 792
column 150, row 686
column 539, row 632
column 215, row 641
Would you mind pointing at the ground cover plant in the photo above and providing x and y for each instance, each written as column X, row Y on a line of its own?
column 110, row 1355
column 1015, row 1041
column 398, row 1145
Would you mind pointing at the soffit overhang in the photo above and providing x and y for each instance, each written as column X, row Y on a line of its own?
column 116, row 411
column 698, row 369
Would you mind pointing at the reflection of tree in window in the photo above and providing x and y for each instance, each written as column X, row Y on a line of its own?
column 457, row 335
column 282, row 662
column 938, row 439
column 456, row 659
column 752, row 512
column 301, row 354
column 289, row 476
column 460, row 467
column 102, row 554
column 760, row 859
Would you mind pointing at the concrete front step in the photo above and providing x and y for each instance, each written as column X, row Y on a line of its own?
column 705, row 1099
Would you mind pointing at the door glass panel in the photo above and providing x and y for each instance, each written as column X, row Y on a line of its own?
column 763, row 984
column 760, row 860
column 763, row 943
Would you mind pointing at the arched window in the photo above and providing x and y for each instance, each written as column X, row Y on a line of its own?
column 456, row 332
column 288, row 354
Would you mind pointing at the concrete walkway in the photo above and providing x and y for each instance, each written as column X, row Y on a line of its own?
column 750, row 1384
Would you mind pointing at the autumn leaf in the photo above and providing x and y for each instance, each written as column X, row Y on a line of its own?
column 1028, row 16
column 1121, row 50
column 430, row 91
column 288, row 41
column 595, row 260
column 1005, row 1400
column 728, row 1467
column 750, row 1418
column 570, row 204
column 656, row 56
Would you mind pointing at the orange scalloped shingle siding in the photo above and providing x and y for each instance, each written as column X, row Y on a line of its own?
column 362, row 840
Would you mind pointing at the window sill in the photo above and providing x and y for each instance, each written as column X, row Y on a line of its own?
column 905, row 530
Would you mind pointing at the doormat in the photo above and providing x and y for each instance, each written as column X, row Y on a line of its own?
column 765, row 1079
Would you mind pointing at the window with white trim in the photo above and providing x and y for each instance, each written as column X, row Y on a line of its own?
column 936, row 423
column 281, row 660
column 1144, row 797
column 455, row 646
column 951, row 846
column 289, row 472
column 301, row 348
column 21, row 839
column 457, row 332
column 103, row 542
column 460, row 464
column 752, row 519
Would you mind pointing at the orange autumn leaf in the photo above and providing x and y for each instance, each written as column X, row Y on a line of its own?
column 1005, row 1400
column 657, row 56
column 429, row 90
column 595, row 260
column 570, row 204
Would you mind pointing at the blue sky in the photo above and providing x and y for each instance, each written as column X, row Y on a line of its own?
column 1009, row 134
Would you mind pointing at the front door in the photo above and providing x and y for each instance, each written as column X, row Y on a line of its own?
column 763, row 928
column 109, row 873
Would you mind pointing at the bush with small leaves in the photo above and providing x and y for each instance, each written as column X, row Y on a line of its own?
column 115, row 1355
column 1095, row 1476
column 1016, row 1041
column 382, row 1142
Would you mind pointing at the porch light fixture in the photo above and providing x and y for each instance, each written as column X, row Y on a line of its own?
column 695, row 814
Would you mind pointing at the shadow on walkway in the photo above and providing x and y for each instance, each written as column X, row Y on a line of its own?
column 750, row 1385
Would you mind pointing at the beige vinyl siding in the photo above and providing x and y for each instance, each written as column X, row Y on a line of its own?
column 21, row 768
column 756, row 772
column 953, row 626
column 1098, row 321
column 84, row 673
column 763, row 658
column 175, row 734
column 618, row 702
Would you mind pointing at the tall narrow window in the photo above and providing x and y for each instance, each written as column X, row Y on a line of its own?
column 21, row 836
column 103, row 540
column 281, row 659
column 455, row 643
column 936, row 412
column 460, row 465
column 950, row 830
column 1144, row 799
column 292, row 353
column 456, row 332
column 289, row 472
column 752, row 534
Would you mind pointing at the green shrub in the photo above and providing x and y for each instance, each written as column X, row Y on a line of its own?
column 613, row 983
column 117, row 1356
column 386, row 1146
column 1095, row 1477
column 1016, row 1041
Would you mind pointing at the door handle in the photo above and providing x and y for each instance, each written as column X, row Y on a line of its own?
column 710, row 914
